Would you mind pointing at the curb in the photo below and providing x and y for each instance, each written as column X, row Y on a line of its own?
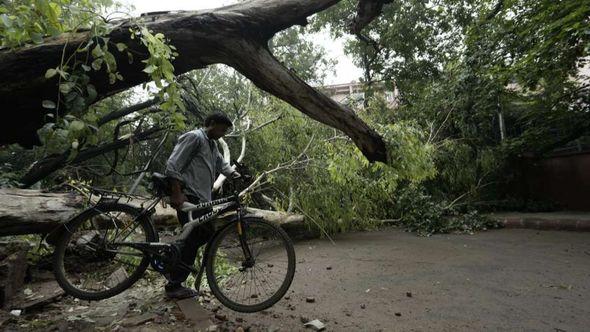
column 575, row 225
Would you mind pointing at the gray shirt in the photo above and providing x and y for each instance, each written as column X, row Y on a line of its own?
column 195, row 161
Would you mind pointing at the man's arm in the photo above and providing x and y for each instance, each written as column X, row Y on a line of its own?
column 176, row 164
column 224, row 167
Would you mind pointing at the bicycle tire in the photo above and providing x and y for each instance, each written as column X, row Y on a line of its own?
column 212, row 280
column 73, row 224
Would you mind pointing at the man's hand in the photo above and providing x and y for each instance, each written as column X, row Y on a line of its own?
column 177, row 197
column 176, row 200
column 235, row 175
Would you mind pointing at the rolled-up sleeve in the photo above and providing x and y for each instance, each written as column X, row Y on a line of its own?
column 181, row 155
column 223, row 166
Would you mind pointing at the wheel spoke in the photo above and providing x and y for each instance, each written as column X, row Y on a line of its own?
column 92, row 265
column 255, row 283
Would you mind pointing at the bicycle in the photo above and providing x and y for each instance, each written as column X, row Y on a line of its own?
column 104, row 250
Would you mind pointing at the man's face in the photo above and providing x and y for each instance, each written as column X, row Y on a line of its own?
column 217, row 130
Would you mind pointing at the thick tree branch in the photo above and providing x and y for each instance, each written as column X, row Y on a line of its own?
column 126, row 111
column 258, row 64
column 367, row 11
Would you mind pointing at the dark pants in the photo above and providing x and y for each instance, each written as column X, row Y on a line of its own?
column 199, row 236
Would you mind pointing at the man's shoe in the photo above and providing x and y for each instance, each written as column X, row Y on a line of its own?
column 180, row 292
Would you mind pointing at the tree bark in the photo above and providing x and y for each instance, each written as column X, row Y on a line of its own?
column 24, row 211
column 236, row 35
column 34, row 212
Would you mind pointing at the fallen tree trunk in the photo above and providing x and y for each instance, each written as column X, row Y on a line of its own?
column 235, row 35
column 24, row 211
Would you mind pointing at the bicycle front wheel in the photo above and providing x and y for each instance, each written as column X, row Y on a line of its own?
column 256, row 284
column 92, row 260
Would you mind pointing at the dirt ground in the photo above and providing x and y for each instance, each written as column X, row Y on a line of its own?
column 386, row 280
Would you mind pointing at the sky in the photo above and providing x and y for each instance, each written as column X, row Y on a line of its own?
column 344, row 71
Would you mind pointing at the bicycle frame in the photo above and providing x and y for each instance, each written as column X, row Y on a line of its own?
column 234, row 204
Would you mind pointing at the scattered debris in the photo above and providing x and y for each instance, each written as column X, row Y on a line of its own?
column 316, row 324
column 13, row 267
column 138, row 320
column 220, row 316
column 363, row 306
column 40, row 295
column 193, row 311
column 16, row 312
column 328, row 267
column 368, row 290
column 398, row 314
column 409, row 294
column 287, row 297
column 310, row 299
column 212, row 328
column 117, row 277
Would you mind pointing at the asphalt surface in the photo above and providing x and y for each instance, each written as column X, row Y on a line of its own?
column 389, row 280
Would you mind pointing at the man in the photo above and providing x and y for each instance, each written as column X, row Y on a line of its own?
column 191, row 170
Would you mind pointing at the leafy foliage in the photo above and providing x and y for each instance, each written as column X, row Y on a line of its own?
column 458, row 67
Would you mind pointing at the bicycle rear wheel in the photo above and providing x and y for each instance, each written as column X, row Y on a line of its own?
column 250, row 286
column 87, row 262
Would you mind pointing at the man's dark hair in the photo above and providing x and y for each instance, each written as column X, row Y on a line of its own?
column 218, row 117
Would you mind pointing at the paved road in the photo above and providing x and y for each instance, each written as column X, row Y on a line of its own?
column 388, row 280
column 502, row 280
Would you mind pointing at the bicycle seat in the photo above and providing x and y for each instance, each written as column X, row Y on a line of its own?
column 160, row 182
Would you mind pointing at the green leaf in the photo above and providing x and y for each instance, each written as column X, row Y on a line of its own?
column 91, row 92
column 96, row 64
column 112, row 78
column 37, row 38
column 150, row 69
column 66, row 87
column 121, row 47
column 6, row 20
column 86, row 68
column 50, row 73
column 97, row 51
column 77, row 125
column 48, row 104
column 71, row 96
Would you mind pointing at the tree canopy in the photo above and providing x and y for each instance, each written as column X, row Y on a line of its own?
column 479, row 86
